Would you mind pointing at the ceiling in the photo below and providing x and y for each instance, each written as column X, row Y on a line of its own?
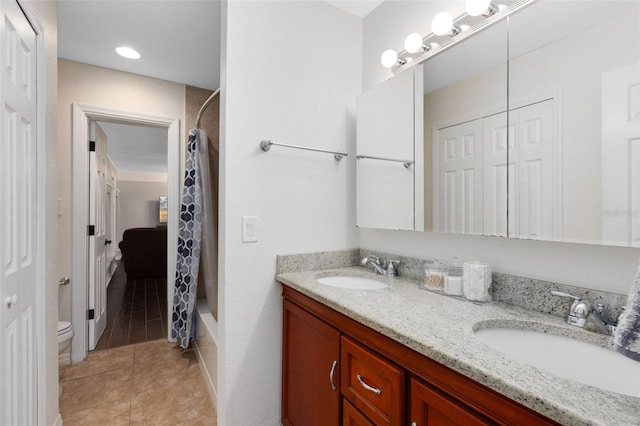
column 135, row 148
column 179, row 41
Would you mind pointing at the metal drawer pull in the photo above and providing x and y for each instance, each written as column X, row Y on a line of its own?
column 367, row 387
column 333, row 370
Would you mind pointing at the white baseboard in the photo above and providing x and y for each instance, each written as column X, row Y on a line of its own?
column 213, row 395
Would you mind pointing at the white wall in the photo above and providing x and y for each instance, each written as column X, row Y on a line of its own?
column 290, row 72
column 590, row 266
column 137, row 205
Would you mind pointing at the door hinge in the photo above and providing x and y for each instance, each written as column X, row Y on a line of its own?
column 91, row 314
column 92, row 146
column 91, row 230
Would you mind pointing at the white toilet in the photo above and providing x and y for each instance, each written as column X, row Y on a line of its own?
column 65, row 333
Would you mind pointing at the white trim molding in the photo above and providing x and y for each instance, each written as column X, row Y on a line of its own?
column 81, row 114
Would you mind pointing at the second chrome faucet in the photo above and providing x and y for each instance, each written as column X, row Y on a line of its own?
column 387, row 268
column 583, row 314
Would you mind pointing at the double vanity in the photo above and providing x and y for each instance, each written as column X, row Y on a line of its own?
column 360, row 349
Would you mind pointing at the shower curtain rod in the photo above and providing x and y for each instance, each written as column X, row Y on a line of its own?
column 204, row 107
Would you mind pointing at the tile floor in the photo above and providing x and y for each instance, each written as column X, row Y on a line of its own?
column 150, row 383
column 136, row 310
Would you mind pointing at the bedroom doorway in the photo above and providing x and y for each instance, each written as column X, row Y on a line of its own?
column 135, row 300
column 82, row 115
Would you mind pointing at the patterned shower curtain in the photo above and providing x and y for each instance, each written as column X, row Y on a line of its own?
column 189, row 240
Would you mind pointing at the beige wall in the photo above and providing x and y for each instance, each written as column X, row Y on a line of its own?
column 137, row 205
column 100, row 87
column 210, row 122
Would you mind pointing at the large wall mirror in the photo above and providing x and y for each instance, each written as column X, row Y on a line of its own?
column 531, row 127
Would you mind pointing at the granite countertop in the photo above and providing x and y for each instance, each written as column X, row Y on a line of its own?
column 442, row 328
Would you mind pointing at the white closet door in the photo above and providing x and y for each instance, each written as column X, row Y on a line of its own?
column 496, row 191
column 531, row 154
column 459, row 184
column 18, row 192
column 621, row 156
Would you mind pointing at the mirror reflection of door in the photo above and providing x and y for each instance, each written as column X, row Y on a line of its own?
column 621, row 155
column 475, row 182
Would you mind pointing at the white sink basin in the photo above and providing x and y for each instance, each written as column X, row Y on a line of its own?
column 568, row 358
column 352, row 282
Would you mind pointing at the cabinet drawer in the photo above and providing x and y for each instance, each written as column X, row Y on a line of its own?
column 352, row 417
column 372, row 384
column 430, row 407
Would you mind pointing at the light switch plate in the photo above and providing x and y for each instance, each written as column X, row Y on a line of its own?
column 249, row 229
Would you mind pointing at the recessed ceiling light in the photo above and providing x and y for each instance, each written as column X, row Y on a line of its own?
column 127, row 52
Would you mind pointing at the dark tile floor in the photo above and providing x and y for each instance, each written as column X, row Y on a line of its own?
column 136, row 310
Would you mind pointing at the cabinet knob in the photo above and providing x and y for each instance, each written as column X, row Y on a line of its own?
column 414, row 424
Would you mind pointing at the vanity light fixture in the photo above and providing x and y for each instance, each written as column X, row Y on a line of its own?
column 447, row 31
column 415, row 43
column 390, row 59
column 480, row 7
column 128, row 52
column 442, row 24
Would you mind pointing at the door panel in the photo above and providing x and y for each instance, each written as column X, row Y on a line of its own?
column 497, row 136
column 18, row 274
column 459, row 197
column 311, row 370
column 532, row 155
column 428, row 406
column 97, row 242
column 621, row 156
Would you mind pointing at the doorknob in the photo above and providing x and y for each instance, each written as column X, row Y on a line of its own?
column 107, row 242
column 11, row 300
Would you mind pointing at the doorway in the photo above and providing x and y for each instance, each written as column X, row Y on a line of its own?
column 82, row 115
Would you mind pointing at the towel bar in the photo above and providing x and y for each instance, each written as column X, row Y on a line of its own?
column 266, row 146
column 406, row 163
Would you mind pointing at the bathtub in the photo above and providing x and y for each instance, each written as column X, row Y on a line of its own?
column 207, row 348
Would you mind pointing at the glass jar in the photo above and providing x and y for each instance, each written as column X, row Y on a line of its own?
column 476, row 280
column 436, row 274
column 453, row 282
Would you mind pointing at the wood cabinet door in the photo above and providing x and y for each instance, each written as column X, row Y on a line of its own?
column 310, row 369
column 352, row 417
column 430, row 407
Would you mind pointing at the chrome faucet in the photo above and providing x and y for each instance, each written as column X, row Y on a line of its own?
column 582, row 314
column 599, row 322
column 579, row 309
column 388, row 268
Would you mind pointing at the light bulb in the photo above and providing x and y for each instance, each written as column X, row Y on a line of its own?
column 442, row 23
column 127, row 52
column 477, row 7
column 389, row 58
column 413, row 43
